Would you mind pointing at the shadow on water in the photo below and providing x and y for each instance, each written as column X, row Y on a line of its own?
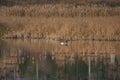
column 78, row 70
column 47, row 63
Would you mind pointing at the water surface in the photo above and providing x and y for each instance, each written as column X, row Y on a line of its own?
column 48, row 60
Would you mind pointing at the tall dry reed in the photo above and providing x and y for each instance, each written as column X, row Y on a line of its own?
column 99, row 28
column 59, row 10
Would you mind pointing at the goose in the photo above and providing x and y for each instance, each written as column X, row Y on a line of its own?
column 64, row 43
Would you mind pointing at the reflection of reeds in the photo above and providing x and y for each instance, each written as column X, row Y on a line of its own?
column 23, row 48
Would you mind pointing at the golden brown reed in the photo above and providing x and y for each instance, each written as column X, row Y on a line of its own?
column 99, row 28
column 59, row 10
column 62, row 22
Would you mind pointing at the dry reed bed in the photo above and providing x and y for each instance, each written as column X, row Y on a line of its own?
column 59, row 10
column 99, row 28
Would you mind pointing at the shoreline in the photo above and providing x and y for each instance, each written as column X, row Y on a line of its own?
column 92, row 40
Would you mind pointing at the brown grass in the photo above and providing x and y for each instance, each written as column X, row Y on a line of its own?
column 103, row 28
column 59, row 10
column 62, row 22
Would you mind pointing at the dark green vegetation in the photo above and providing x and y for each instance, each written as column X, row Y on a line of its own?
column 77, row 2
column 77, row 70
column 3, row 29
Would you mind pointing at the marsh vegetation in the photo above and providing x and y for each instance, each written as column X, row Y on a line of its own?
column 60, row 21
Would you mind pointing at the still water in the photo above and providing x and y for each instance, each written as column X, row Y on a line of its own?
column 48, row 60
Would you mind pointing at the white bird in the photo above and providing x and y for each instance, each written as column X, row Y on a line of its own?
column 63, row 43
